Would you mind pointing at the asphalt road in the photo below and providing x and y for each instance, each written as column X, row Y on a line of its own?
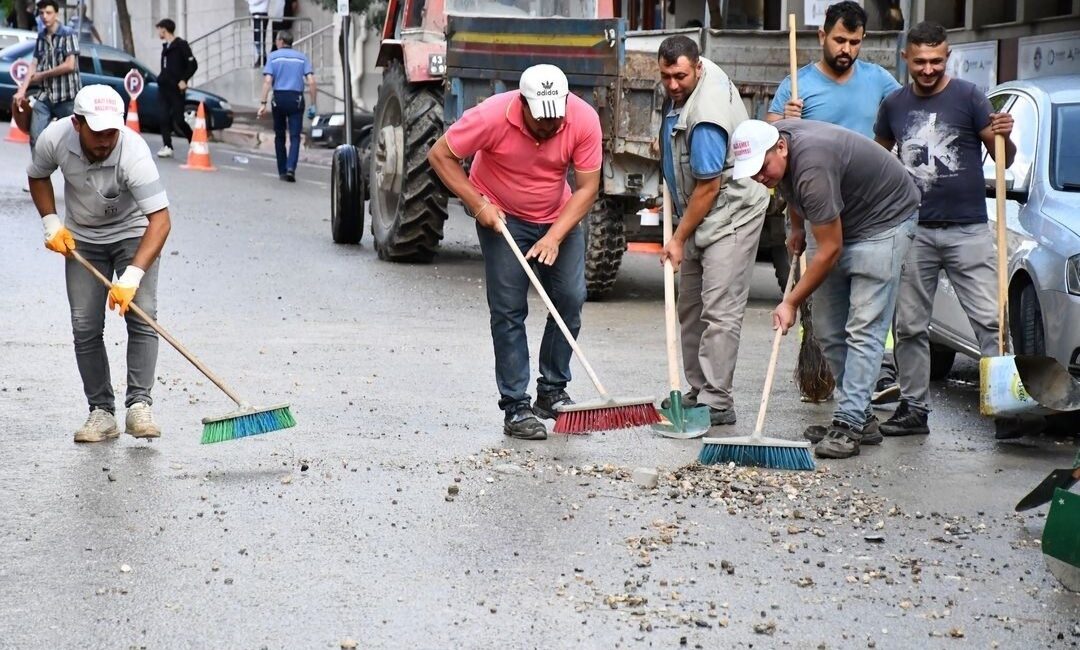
column 397, row 514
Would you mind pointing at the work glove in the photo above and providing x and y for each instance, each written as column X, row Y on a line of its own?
column 311, row 112
column 57, row 237
column 123, row 291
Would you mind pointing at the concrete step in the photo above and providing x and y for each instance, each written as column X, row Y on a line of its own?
column 252, row 134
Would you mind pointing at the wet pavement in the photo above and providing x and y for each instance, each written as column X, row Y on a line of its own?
column 396, row 514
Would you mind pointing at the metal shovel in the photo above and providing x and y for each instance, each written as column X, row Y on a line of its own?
column 1049, row 383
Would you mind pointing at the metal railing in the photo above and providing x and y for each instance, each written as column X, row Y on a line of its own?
column 232, row 46
column 319, row 46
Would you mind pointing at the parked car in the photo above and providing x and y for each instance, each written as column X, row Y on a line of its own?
column 10, row 36
column 101, row 64
column 1043, row 221
column 328, row 129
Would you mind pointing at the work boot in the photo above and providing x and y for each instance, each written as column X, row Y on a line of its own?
column 165, row 152
column 547, row 405
column 523, row 424
column 140, row 421
column 721, row 416
column 99, row 426
column 885, row 392
column 871, row 432
column 688, row 402
column 905, row 421
column 840, row 441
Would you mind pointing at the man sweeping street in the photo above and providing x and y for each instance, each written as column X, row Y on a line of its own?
column 941, row 125
column 861, row 205
column 523, row 143
column 117, row 217
column 720, row 220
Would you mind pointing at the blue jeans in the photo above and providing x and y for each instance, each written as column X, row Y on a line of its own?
column 508, row 302
column 288, row 110
column 853, row 310
column 43, row 113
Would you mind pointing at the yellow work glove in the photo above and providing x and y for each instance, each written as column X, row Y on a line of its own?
column 57, row 237
column 123, row 291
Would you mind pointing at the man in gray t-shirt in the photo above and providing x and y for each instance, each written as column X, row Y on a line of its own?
column 861, row 205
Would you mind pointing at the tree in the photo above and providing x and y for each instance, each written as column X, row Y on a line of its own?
column 124, row 17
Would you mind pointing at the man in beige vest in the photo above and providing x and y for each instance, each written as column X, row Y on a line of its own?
column 720, row 220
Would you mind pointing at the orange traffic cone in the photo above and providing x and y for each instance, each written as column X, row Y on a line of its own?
column 15, row 134
column 199, row 151
column 133, row 116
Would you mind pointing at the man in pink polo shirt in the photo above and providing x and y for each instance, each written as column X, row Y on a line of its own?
column 523, row 143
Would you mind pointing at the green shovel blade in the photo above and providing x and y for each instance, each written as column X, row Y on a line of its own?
column 1061, row 538
column 682, row 423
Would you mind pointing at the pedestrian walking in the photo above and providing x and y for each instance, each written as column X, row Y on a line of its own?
column 720, row 220
column 84, row 26
column 941, row 125
column 260, row 11
column 840, row 89
column 285, row 73
column 178, row 66
column 54, row 70
column 523, row 143
column 861, row 205
column 117, row 217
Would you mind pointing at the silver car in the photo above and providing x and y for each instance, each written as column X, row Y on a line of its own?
column 1043, row 211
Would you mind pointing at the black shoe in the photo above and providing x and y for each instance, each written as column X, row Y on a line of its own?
column 547, row 406
column 281, row 177
column 815, row 433
column 290, row 177
column 523, row 424
column 721, row 416
column 905, row 422
column 871, row 432
column 687, row 402
column 840, row 441
column 885, row 392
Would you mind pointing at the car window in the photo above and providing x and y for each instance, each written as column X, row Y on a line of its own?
column 114, row 64
column 1064, row 155
column 1024, row 135
column 86, row 64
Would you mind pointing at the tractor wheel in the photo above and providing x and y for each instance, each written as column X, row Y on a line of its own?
column 408, row 201
column 346, row 196
column 605, row 243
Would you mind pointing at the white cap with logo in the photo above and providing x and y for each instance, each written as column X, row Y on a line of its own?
column 545, row 87
column 751, row 141
column 101, row 106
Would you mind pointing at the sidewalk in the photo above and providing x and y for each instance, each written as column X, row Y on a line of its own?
column 250, row 133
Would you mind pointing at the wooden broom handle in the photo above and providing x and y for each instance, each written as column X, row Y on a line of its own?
column 793, row 56
column 551, row 310
column 165, row 335
column 1002, row 239
column 760, row 426
column 670, row 320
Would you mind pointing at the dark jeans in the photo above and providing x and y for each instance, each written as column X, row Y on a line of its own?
column 44, row 112
column 172, row 113
column 288, row 110
column 507, row 295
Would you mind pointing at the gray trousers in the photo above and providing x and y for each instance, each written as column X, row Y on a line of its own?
column 966, row 253
column 714, row 284
column 87, row 297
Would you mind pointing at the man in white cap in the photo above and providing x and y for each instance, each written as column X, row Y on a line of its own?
column 861, row 205
column 523, row 143
column 117, row 217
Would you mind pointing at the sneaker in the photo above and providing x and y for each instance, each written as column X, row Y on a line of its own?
column 101, row 425
column 165, row 152
column 290, row 177
column 871, row 434
column 547, row 406
column 688, row 402
column 523, row 424
column 721, row 416
column 140, row 421
column 840, row 441
column 885, row 392
column 905, row 421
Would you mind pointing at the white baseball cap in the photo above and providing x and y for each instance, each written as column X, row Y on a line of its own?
column 101, row 106
column 751, row 141
column 544, row 86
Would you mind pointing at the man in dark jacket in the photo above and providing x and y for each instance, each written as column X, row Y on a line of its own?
column 178, row 65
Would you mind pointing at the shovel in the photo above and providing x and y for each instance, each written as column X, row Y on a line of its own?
column 1049, row 383
column 676, row 421
column 1059, row 479
column 1061, row 539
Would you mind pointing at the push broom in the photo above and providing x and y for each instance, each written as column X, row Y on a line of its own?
column 756, row 450
column 247, row 421
column 608, row 413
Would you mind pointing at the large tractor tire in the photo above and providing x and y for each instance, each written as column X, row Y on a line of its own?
column 605, row 243
column 408, row 201
column 346, row 196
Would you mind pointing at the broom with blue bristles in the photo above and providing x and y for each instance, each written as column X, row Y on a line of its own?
column 247, row 421
column 756, row 450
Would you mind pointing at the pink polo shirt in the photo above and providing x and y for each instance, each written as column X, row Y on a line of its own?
column 524, row 177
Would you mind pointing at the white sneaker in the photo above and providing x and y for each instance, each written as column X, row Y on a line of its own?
column 99, row 426
column 140, row 421
column 164, row 152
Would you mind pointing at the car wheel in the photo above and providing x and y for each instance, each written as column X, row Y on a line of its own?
column 346, row 196
column 941, row 361
column 1029, row 336
column 190, row 112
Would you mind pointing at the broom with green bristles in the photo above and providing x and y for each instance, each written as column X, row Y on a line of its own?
column 756, row 450
column 247, row 421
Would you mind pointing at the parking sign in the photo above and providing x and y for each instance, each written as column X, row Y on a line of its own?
column 19, row 69
column 133, row 83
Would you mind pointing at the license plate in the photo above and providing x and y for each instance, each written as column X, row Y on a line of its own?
column 316, row 133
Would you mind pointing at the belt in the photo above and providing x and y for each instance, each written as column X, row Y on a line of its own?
column 937, row 225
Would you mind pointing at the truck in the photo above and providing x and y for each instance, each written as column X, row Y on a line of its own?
column 441, row 57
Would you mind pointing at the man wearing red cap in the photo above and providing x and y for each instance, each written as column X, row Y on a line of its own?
column 117, row 217
column 523, row 143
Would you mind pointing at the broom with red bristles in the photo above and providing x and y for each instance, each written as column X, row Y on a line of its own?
column 603, row 415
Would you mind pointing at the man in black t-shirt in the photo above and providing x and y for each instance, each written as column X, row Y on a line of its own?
column 940, row 125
